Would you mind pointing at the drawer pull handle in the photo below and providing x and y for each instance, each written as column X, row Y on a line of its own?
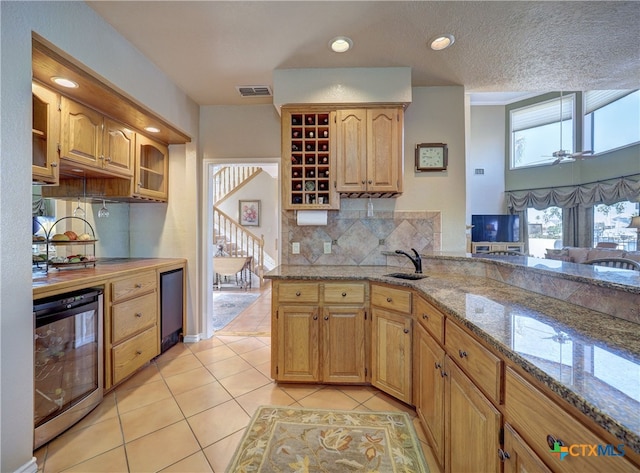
column 425, row 317
column 138, row 314
column 503, row 455
column 298, row 294
column 138, row 352
column 138, row 285
column 406, row 330
column 389, row 300
column 462, row 353
column 552, row 441
column 344, row 294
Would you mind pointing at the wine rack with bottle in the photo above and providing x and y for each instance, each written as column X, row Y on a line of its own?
column 308, row 170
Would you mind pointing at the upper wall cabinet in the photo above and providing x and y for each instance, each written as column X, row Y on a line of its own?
column 94, row 143
column 308, row 171
column 369, row 151
column 152, row 170
column 46, row 135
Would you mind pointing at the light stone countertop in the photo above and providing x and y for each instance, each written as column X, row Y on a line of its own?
column 590, row 359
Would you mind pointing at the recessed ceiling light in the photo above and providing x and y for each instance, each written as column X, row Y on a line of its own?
column 64, row 82
column 341, row 44
column 152, row 129
column 441, row 42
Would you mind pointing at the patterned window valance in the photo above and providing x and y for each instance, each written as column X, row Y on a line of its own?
column 604, row 192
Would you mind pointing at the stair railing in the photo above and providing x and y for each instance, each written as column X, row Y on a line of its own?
column 230, row 178
column 239, row 241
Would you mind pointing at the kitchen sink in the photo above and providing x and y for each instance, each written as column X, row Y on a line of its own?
column 411, row 276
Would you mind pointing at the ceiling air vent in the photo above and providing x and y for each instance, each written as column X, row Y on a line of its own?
column 254, row 90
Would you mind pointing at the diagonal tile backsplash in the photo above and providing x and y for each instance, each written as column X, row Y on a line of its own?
column 360, row 240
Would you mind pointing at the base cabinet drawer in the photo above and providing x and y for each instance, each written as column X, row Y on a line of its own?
column 482, row 366
column 133, row 286
column 298, row 292
column 134, row 353
column 134, row 315
column 546, row 427
column 398, row 300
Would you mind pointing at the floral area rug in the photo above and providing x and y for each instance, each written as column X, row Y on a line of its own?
column 227, row 306
column 297, row 440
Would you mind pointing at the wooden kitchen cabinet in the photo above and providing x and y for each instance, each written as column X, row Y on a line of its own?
column 151, row 178
column 369, row 150
column 94, row 143
column 516, row 455
column 308, row 171
column 540, row 422
column 319, row 339
column 46, row 135
column 473, row 425
column 429, row 382
column 391, row 344
column 133, row 325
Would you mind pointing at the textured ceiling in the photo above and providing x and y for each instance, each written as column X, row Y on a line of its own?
column 209, row 47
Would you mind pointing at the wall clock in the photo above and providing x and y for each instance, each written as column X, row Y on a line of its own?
column 431, row 157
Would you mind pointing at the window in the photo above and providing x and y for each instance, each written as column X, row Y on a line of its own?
column 545, row 230
column 540, row 129
column 611, row 120
column 610, row 224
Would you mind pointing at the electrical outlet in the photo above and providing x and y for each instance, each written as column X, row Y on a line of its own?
column 295, row 248
column 327, row 247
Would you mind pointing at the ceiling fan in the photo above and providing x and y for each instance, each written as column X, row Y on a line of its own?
column 562, row 155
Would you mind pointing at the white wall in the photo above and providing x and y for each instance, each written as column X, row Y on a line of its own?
column 78, row 30
column 437, row 115
column 485, row 192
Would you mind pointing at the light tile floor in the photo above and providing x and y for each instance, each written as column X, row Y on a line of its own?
column 187, row 410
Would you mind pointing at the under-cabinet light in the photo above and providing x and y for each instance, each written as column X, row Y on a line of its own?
column 64, row 82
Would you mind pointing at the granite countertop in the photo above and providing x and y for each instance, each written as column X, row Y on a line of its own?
column 590, row 359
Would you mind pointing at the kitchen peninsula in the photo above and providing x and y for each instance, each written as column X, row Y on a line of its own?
column 542, row 370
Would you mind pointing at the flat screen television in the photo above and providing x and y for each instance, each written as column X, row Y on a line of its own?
column 503, row 228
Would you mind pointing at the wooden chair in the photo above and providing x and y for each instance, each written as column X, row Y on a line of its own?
column 618, row 263
column 505, row 253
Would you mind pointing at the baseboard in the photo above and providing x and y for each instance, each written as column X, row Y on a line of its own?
column 192, row 338
column 30, row 467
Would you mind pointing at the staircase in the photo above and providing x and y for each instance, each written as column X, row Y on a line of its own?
column 232, row 238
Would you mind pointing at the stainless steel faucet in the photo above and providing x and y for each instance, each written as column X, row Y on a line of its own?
column 417, row 260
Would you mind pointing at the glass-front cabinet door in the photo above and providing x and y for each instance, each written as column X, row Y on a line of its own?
column 46, row 135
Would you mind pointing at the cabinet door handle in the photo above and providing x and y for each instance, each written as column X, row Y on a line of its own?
column 389, row 300
column 108, row 159
column 443, row 373
column 438, row 365
column 551, row 441
column 54, row 165
column 138, row 352
column 344, row 294
column 138, row 314
column 138, row 285
column 406, row 330
column 363, row 183
column 326, row 317
column 298, row 294
column 503, row 455
column 370, row 181
column 425, row 317
column 462, row 353
column 315, row 317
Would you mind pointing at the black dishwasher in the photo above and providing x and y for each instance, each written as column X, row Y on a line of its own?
column 171, row 307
